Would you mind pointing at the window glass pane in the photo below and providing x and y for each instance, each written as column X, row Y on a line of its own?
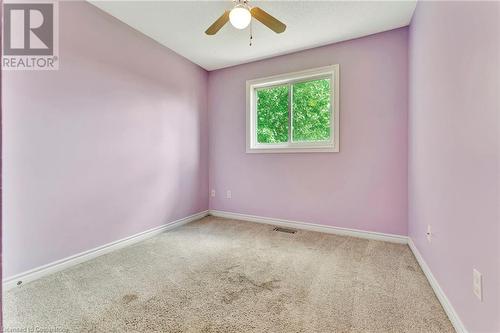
column 311, row 110
column 272, row 115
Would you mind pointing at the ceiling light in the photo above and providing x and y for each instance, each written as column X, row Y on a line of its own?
column 240, row 17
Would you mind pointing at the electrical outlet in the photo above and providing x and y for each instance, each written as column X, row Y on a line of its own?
column 212, row 193
column 228, row 194
column 429, row 233
column 477, row 284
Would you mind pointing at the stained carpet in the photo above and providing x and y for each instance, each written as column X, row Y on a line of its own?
column 220, row 275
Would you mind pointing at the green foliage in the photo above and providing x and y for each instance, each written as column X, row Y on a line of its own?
column 272, row 115
column 311, row 110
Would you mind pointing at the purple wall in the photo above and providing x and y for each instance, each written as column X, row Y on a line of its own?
column 1, row 175
column 454, row 150
column 112, row 144
column 362, row 187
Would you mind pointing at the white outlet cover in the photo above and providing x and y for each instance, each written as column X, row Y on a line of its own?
column 212, row 193
column 228, row 194
column 477, row 284
column 429, row 233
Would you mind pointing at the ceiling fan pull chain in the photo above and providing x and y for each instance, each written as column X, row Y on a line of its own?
column 251, row 33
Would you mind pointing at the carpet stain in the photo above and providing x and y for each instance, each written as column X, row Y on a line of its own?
column 242, row 286
column 244, row 280
column 129, row 298
column 231, row 296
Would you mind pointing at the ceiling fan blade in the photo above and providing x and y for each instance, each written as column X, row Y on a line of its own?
column 268, row 20
column 218, row 24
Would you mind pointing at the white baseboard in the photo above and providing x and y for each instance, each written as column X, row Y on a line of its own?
column 448, row 308
column 59, row 265
column 313, row 227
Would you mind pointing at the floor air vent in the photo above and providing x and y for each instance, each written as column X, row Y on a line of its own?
column 288, row 231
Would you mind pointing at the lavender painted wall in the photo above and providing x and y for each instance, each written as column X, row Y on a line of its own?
column 454, row 151
column 362, row 187
column 112, row 144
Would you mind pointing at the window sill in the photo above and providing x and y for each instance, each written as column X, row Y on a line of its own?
column 291, row 150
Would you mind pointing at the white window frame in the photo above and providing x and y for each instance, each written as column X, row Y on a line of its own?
column 332, row 145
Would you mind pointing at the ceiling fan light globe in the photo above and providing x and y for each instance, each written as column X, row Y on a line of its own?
column 240, row 17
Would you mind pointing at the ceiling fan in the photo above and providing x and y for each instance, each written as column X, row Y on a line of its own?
column 241, row 16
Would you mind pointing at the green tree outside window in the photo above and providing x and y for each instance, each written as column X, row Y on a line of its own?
column 310, row 112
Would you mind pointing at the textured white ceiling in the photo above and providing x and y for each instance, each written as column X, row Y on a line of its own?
column 180, row 26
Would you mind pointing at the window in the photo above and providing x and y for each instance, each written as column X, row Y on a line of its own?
column 297, row 112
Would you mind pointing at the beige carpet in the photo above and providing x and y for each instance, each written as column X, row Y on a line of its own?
column 219, row 275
